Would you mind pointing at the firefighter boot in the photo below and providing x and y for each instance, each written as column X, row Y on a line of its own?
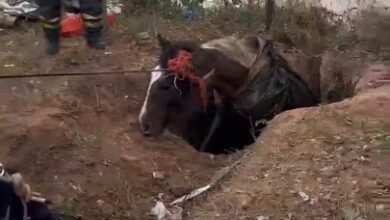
column 94, row 38
column 53, row 41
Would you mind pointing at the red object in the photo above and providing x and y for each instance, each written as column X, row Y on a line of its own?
column 111, row 19
column 72, row 25
column 181, row 66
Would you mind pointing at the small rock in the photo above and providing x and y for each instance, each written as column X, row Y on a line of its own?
column 245, row 204
column 106, row 162
column 107, row 209
column 380, row 207
column 158, row 175
column 128, row 158
column 58, row 200
column 9, row 65
column 143, row 36
column 304, row 196
column 314, row 201
column 74, row 62
column 349, row 213
column 100, row 202
column 87, row 161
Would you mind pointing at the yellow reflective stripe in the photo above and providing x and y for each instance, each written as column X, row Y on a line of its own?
column 93, row 24
column 50, row 26
column 53, row 20
column 91, row 17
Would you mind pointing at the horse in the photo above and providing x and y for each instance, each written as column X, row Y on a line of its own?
column 246, row 85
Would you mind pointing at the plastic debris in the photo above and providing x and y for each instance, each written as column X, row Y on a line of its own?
column 262, row 217
column 304, row 196
column 163, row 213
column 158, row 175
column 350, row 213
column 159, row 210
column 19, row 8
column 9, row 65
column 2, row 170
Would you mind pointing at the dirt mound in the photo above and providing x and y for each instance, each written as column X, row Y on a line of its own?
column 77, row 141
column 314, row 163
column 93, row 166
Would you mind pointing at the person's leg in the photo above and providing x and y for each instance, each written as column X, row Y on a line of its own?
column 50, row 15
column 92, row 14
column 11, row 206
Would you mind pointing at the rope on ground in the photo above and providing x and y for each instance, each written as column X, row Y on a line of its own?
column 117, row 72
column 216, row 179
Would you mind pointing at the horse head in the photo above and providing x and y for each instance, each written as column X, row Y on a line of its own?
column 171, row 102
column 176, row 104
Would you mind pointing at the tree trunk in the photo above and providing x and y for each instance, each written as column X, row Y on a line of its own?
column 269, row 13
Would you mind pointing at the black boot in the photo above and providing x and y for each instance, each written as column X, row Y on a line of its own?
column 52, row 40
column 94, row 38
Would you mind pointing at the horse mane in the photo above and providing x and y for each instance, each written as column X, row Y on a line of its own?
column 242, row 50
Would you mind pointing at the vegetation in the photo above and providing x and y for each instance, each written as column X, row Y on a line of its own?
column 310, row 29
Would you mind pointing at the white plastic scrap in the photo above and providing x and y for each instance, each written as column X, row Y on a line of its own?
column 304, row 196
column 162, row 213
column 158, row 175
column 18, row 9
column 9, row 65
column 262, row 217
column 159, row 210
column 191, row 195
column 2, row 170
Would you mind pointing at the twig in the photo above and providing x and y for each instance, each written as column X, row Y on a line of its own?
column 306, row 56
column 97, row 100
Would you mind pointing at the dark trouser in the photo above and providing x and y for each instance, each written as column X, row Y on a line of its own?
column 90, row 10
column 10, row 204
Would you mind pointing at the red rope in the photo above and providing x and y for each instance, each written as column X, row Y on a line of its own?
column 181, row 66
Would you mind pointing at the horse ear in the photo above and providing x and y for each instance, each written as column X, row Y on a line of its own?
column 163, row 43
